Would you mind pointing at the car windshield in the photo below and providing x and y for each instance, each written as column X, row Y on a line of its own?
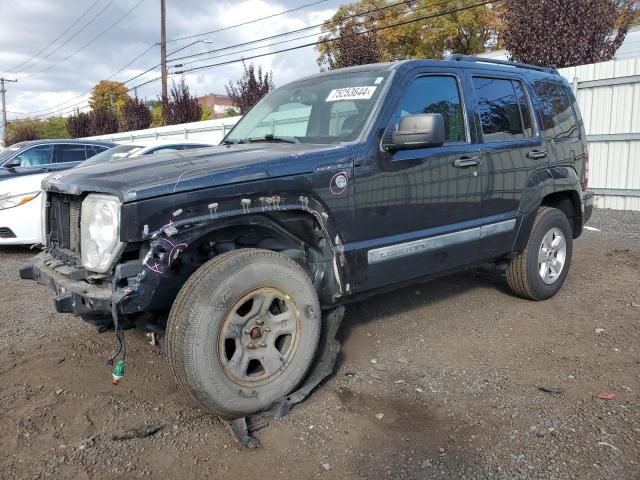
column 9, row 152
column 115, row 153
column 325, row 109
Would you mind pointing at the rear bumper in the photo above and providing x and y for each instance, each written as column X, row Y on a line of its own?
column 588, row 200
column 72, row 296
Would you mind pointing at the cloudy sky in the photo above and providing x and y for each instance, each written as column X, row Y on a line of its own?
column 54, row 78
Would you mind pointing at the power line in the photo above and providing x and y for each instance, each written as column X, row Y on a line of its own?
column 297, row 47
column 248, row 22
column 329, row 40
column 68, row 39
column 183, row 38
column 296, row 31
column 15, row 68
column 53, row 108
column 89, row 91
column 89, row 42
column 311, row 27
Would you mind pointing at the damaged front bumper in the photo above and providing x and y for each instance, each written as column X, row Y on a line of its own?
column 76, row 295
column 72, row 296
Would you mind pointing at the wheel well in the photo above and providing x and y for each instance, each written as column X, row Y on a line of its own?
column 569, row 203
column 294, row 234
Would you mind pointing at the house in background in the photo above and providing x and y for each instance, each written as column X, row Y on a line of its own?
column 219, row 104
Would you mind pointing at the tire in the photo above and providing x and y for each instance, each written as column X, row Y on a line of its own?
column 538, row 272
column 243, row 331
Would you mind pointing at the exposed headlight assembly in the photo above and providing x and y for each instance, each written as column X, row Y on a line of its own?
column 100, row 232
column 10, row 201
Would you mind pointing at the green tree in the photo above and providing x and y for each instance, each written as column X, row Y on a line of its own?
column 108, row 95
column 207, row 114
column 53, row 127
column 469, row 31
column 21, row 131
column 156, row 116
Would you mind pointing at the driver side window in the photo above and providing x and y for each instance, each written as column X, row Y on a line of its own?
column 34, row 157
column 432, row 94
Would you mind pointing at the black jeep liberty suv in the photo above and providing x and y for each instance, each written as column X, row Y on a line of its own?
column 330, row 189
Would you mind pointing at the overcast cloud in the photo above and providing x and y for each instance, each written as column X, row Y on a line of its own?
column 27, row 26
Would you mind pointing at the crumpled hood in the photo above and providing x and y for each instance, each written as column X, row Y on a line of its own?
column 164, row 174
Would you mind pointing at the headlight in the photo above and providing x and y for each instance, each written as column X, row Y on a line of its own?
column 100, row 232
column 11, row 201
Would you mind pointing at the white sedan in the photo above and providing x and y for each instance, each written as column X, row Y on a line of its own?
column 21, row 198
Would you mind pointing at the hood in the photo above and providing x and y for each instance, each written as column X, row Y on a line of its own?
column 150, row 176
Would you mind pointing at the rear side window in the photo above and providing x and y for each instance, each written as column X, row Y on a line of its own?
column 432, row 94
column 70, row 153
column 558, row 116
column 94, row 150
column 504, row 109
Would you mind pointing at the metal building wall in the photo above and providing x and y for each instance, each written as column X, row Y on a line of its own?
column 609, row 97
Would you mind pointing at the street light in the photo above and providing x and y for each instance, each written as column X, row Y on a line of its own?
column 205, row 40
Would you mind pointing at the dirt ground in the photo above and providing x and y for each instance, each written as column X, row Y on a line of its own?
column 439, row 380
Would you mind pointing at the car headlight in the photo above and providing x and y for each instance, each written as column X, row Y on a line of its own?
column 10, row 201
column 100, row 232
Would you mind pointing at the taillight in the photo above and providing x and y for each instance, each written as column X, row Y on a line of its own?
column 585, row 168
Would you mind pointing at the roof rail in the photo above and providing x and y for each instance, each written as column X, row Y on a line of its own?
column 470, row 58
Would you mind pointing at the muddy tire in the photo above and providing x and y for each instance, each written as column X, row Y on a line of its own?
column 539, row 271
column 243, row 331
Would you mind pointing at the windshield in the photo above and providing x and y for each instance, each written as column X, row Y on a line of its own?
column 9, row 152
column 115, row 153
column 326, row 109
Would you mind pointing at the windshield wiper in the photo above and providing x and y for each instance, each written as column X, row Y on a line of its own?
column 232, row 142
column 273, row 138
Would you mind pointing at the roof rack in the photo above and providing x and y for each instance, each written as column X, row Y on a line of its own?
column 470, row 58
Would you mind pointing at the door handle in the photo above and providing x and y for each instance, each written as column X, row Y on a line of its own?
column 465, row 162
column 536, row 155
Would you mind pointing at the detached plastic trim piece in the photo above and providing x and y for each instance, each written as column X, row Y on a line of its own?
column 242, row 429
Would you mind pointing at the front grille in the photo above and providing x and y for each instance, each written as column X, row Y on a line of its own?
column 63, row 221
column 6, row 233
column 74, row 226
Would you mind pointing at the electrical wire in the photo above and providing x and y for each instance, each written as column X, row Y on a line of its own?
column 248, row 22
column 53, row 108
column 16, row 67
column 113, row 24
column 68, row 39
column 306, row 45
column 329, row 40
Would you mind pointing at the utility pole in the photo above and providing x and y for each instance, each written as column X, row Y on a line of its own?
column 163, row 58
column 4, row 110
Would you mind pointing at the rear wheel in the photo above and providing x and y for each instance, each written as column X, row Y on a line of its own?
column 243, row 331
column 539, row 271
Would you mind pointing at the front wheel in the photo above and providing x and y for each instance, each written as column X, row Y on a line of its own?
column 539, row 271
column 243, row 331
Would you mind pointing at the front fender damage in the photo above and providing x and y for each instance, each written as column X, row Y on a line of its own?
column 162, row 249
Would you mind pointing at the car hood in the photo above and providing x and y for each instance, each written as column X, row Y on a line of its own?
column 150, row 176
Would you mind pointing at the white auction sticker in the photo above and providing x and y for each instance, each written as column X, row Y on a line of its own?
column 351, row 93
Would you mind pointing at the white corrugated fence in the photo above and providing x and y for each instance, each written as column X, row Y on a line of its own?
column 609, row 97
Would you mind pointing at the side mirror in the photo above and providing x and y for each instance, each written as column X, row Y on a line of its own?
column 12, row 164
column 418, row 131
